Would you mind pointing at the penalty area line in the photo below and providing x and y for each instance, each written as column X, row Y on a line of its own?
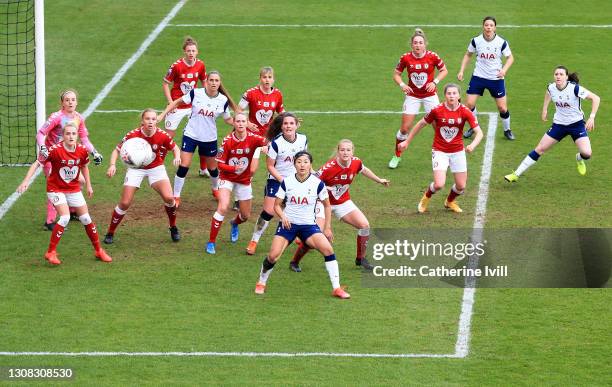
column 232, row 354
column 462, row 346
column 226, row 25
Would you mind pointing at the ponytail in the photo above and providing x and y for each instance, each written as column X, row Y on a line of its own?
column 276, row 126
column 224, row 91
column 418, row 32
column 573, row 77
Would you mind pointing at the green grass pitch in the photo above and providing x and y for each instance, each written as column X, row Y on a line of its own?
column 162, row 297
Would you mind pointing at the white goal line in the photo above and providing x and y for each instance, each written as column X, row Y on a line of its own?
column 221, row 25
column 234, row 354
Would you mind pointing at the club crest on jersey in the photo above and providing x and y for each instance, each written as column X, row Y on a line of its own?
column 298, row 200
column 426, row 66
column 459, row 120
column 154, row 147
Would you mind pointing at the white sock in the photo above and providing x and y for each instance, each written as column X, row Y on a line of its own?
column 214, row 182
column 579, row 157
column 178, row 185
column 401, row 136
column 506, row 123
column 525, row 164
column 334, row 273
column 260, row 228
column 263, row 277
column 475, row 111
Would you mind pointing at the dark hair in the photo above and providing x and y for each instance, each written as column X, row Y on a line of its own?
column 147, row 110
column 189, row 41
column 276, row 126
column 300, row 154
column 489, row 18
column 451, row 85
column 573, row 77
column 224, row 91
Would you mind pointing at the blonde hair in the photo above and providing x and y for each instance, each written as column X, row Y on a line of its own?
column 344, row 141
column 266, row 70
column 147, row 110
column 418, row 32
column 70, row 124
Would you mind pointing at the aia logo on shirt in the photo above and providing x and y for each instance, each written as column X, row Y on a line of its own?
column 485, row 55
column 562, row 104
column 298, row 200
column 206, row 113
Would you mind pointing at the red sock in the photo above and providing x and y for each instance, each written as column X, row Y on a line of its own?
column 215, row 226
column 302, row 250
column 429, row 191
column 92, row 233
column 362, row 245
column 238, row 219
column 398, row 153
column 56, row 235
column 452, row 195
column 115, row 220
column 202, row 162
column 171, row 211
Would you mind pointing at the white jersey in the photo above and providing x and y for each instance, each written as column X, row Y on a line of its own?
column 301, row 198
column 202, row 124
column 283, row 151
column 488, row 55
column 567, row 102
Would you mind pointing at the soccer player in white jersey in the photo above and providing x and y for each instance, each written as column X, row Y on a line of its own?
column 489, row 72
column 299, row 193
column 568, row 120
column 285, row 142
column 207, row 104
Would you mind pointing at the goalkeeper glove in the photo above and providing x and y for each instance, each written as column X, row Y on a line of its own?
column 97, row 157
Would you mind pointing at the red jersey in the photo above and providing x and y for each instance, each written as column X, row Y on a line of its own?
column 160, row 141
column 420, row 71
column 338, row 178
column 240, row 153
column 184, row 78
column 262, row 106
column 65, row 168
column 448, row 126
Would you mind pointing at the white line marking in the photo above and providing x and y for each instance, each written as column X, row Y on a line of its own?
column 462, row 347
column 235, row 354
column 388, row 25
column 8, row 203
column 314, row 112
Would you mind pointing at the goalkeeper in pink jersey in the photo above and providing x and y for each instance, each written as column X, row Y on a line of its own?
column 51, row 133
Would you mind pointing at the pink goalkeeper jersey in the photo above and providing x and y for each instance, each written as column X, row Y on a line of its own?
column 51, row 132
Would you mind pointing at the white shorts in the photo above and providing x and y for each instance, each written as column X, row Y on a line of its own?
column 173, row 119
column 319, row 210
column 241, row 191
column 339, row 210
column 133, row 176
column 412, row 104
column 74, row 199
column 440, row 161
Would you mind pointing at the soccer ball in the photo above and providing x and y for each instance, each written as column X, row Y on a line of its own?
column 136, row 153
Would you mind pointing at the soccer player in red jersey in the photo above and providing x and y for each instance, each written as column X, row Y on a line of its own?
column 234, row 160
column 68, row 161
column 183, row 76
column 420, row 65
column 51, row 133
column 338, row 174
column 448, row 120
column 161, row 144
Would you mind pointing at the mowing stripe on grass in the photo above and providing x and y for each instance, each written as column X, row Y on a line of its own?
column 462, row 347
column 388, row 25
column 8, row 203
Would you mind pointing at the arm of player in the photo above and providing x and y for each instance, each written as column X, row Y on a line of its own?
column 171, row 106
column 177, row 156
column 166, row 88
column 547, row 100
column 327, row 231
column 415, row 130
column 272, row 169
column 442, row 73
column 278, row 208
column 590, row 124
column 470, row 148
column 85, row 172
column 367, row 172
column 464, row 62
column 112, row 169
column 504, row 70
column 397, row 77
column 27, row 180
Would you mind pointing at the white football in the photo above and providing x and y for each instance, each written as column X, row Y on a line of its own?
column 136, row 153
